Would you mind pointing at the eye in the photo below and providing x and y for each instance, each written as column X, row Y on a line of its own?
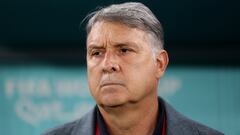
column 96, row 53
column 124, row 50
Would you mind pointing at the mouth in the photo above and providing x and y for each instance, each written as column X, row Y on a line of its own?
column 111, row 84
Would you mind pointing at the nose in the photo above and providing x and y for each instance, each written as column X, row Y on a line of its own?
column 110, row 63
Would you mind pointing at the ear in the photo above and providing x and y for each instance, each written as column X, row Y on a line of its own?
column 162, row 62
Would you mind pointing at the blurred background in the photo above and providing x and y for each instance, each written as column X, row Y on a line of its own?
column 43, row 81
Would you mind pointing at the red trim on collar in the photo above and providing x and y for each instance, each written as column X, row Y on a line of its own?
column 164, row 125
column 97, row 129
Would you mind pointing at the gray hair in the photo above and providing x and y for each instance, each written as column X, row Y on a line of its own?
column 132, row 14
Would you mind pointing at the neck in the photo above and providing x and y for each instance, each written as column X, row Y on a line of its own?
column 134, row 118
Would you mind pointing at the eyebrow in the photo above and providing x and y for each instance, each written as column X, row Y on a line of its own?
column 126, row 44
column 94, row 46
column 115, row 45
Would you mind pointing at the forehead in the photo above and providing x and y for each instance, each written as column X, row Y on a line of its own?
column 104, row 31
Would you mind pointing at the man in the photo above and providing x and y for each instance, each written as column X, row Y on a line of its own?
column 125, row 61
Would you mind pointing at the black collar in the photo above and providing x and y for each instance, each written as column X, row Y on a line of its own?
column 158, row 127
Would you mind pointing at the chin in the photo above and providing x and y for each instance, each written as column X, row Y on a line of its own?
column 113, row 100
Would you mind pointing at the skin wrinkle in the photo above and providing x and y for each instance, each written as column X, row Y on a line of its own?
column 128, row 103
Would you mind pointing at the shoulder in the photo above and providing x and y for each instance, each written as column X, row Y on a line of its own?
column 65, row 129
column 196, row 127
column 181, row 125
column 84, row 125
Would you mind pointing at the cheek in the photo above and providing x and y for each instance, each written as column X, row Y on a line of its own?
column 92, row 67
column 93, row 84
column 140, row 66
column 93, row 77
column 141, row 72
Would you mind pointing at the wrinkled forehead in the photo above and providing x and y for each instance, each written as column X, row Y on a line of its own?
column 105, row 31
column 119, row 22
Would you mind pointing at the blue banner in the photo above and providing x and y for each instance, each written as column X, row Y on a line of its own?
column 37, row 97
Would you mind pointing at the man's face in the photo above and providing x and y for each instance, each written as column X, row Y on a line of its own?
column 121, row 67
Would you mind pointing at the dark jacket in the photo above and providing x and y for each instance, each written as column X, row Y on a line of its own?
column 177, row 124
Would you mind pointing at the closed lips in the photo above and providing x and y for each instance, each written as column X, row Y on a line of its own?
column 111, row 83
